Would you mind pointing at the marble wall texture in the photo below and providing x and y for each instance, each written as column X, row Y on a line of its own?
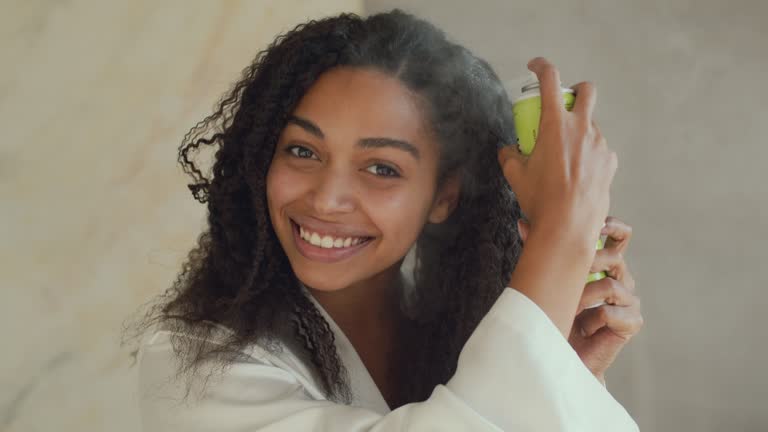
column 682, row 98
column 95, row 216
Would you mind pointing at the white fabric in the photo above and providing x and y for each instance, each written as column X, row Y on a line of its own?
column 515, row 373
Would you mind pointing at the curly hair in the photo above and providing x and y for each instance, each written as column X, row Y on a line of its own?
column 238, row 276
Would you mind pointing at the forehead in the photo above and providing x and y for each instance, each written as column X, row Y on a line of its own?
column 362, row 102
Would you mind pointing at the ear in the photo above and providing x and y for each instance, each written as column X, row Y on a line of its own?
column 446, row 199
column 523, row 228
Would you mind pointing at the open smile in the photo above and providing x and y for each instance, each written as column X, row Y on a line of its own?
column 326, row 248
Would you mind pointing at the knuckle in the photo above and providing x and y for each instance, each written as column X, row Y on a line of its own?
column 615, row 286
column 585, row 87
column 589, row 86
column 599, row 140
column 550, row 71
column 547, row 67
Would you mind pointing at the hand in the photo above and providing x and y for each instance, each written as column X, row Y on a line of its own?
column 566, row 179
column 598, row 334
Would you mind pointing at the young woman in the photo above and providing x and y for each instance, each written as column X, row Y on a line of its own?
column 347, row 144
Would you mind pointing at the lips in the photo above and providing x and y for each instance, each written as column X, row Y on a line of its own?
column 325, row 255
column 333, row 229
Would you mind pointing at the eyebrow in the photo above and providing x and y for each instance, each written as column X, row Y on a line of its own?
column 366, row 143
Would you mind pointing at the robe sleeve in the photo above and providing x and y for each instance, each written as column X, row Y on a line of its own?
column 515, row 373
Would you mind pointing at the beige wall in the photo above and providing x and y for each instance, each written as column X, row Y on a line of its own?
column 94, row 214
column 683, row 99
column 95, row 217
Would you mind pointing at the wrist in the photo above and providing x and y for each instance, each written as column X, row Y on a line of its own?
column 575, row 238
column 552, row 271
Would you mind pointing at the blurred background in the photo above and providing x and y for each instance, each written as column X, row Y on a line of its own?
column 96, row 218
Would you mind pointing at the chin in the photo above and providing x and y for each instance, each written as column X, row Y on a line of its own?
column 320, row 282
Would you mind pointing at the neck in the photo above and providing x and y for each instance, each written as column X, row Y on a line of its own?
column 366, row 307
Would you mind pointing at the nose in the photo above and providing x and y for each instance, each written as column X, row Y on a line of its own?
column 333, row 194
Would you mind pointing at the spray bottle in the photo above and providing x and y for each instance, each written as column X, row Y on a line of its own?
column 526, row 112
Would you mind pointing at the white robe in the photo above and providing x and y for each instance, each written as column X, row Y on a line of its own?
column 515, row 373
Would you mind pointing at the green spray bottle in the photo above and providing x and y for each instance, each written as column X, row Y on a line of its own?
column 526, row 112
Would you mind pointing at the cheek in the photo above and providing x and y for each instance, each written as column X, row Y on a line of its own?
column 399, row 213
column 283, row 186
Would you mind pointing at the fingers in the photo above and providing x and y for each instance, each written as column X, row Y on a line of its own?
column 611, row 261
column 599, row 139
column 624, row 321
column 586, row 97
column 598, row 134
column 549, row 86
column 596, row 128
column 619, row 234
column 607, row 290
column 511, row 161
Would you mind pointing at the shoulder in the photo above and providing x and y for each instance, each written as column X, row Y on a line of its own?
column 159, row 365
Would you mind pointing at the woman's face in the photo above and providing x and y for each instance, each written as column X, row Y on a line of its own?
column 354, row 174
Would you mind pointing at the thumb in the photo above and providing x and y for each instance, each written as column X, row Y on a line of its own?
column 512, row 164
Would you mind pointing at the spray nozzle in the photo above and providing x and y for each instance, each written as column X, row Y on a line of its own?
column 531, row 82
column 516, row 86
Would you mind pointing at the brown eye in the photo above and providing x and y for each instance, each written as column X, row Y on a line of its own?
column 301, row 152
column 382, row 170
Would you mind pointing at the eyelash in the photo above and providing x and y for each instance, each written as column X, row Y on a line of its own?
column 289, row 149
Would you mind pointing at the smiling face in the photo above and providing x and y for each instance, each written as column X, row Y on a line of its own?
column 353, row 179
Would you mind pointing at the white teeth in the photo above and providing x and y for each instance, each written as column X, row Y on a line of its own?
column 327, row 241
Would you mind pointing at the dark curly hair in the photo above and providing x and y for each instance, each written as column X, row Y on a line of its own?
column 238, row 276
